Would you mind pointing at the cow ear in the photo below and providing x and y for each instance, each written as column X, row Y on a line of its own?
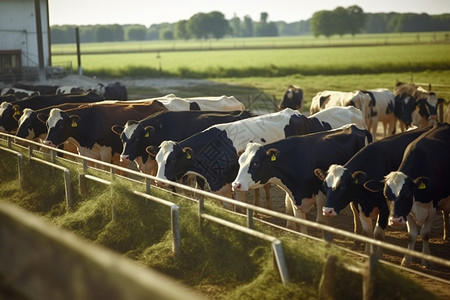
column 42, row 117
column 373, row 186
column 152, row 150
column 321, row 174
column 74, row 119
column 359, row 177
column 422, row 182
column 17, row 113
column 149, row 131
column 189, row 152
column 117, row 129
column 273, row 154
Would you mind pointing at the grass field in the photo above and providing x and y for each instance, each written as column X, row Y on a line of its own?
column 255, row 42
column 246, row 68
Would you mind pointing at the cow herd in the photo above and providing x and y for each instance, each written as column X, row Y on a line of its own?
column 329, row 159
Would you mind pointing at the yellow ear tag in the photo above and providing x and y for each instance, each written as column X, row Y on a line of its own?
column 147, row 134
column 356, row 181
column 74, row 123
column 422, row 186
column 16, row 113
column 273, row 158
column 188, row 155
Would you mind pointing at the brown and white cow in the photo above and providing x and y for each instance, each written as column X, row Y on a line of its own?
column 89, row 127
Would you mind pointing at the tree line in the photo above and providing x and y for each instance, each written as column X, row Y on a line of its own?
column 340, row 21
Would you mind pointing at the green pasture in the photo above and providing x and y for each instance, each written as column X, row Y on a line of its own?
column 262, row 68
column 217, row 261
column 266, row 62
column 256, row 42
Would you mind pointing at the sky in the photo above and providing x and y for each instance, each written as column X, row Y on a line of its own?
column 147, row 12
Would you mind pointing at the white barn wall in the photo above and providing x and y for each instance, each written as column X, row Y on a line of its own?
column 18, row 30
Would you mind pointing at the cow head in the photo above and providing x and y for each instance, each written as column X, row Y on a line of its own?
column 9, row 114
column 340, row 187
column 252, row 166
column 400, row 191
column 60, row 126
column 28, row 122
column 404, row 107
column 293, row 98
column 173, row 161
column 427, row 104
column 134, row 139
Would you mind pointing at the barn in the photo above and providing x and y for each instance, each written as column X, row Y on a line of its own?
column 25, row 40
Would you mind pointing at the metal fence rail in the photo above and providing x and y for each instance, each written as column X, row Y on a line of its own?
column 250, row 210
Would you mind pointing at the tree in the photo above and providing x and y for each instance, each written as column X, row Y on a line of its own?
column 322, row 23
column 247, row 30
column 357, row 19
column 136, row 33
column 340, row 21
column 203, row 25
column 266, row 29
column 181, row 30
column 103, row 33
column 218, row 25
column 236, row 26
column 198, row 26
column 166, row 34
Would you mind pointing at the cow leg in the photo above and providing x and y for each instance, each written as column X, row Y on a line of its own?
column 321, row 199
column 290, row 210
column 267, row 194
column 412, row 237
column 425, row 234
column 357, row 226
column 226, row 191
column 446, row 225
column 444, row 206
column 257, row 195
column 367, row 228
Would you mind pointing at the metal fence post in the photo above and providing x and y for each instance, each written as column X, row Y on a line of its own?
column 280, row 261
column 20, row 169
column 175, row 219
column 69, row 199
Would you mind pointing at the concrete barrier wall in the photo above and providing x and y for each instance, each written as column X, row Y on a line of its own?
column 43, row 262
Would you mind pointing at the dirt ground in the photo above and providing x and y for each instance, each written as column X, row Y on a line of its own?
column 397, row 236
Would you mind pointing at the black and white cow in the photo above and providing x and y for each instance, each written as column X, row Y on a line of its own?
column 136, row 136
column 421, row 185
column 415, row 106
column 42, row 89
column 68, row 89
column 290, row 164
column 19, row 93
column 214, row 103
column 213, row 153
column 381, row 109
column 344, row 184
column 326, row 99
column 31, row 127
column 89, row 127
column 10, row 113
column 293, row 98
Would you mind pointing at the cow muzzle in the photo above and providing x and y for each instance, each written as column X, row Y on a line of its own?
column 238, row 187
column 397, row 221
column 161, row 184
column 48, row 143
column 329, row 212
